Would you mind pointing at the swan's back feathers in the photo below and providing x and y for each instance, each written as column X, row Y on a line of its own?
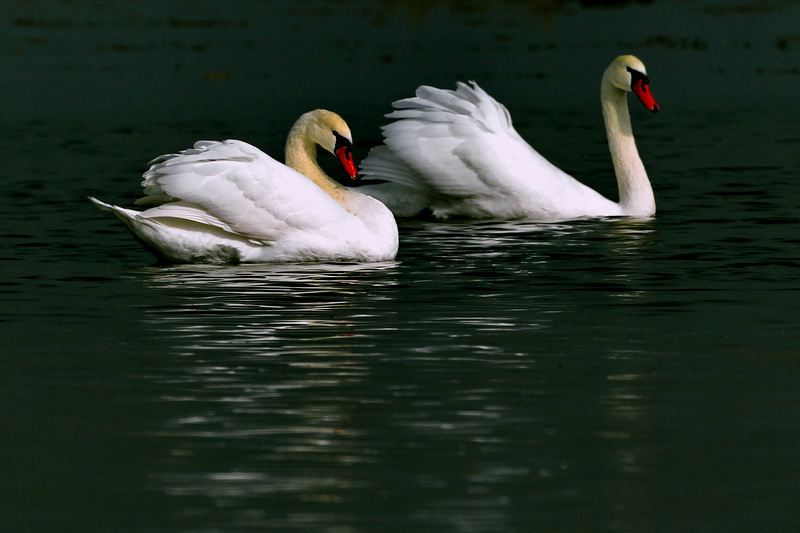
column 200, row 158
column 257, row 197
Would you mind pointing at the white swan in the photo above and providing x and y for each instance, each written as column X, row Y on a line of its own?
column 456, row 153
column 228, row 202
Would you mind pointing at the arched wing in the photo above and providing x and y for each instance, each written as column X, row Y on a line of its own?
column 240, row 189
column 460, row 149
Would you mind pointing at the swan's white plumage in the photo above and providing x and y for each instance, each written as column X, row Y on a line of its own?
column 253, row 194
column 228, row 201
column 456, row 153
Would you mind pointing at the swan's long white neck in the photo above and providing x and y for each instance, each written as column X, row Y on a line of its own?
column 635, row 192
column 301, row 155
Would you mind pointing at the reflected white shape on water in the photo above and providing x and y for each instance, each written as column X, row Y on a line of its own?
column 300, row 364
column 264, row 309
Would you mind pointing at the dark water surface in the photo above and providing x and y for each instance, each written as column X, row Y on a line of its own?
column 606, row 375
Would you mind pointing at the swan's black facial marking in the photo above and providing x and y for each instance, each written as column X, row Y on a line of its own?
column 343, row 149
column 637, row 76
column 341, row 141
column 640, row 85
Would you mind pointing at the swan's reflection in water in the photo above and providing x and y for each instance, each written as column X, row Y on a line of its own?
column 248, row 309
column 269, row 379
column 458, row 380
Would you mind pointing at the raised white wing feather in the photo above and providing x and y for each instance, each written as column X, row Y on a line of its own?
column 462, row 153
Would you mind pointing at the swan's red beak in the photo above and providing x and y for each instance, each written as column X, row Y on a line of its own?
column 344, row 151
column 345, row 155
column 641, row 89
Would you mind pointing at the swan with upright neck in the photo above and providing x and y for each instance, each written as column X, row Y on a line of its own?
column 456, row 153
column 229, row 202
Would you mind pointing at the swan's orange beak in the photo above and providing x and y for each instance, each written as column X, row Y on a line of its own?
column 641, row 89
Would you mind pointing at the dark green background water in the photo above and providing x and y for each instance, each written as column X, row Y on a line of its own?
column 586, row 376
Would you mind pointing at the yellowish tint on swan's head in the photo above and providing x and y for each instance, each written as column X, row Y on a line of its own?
column 619, row 73
column 330, row 131
column 628, row 73
column 322, row 127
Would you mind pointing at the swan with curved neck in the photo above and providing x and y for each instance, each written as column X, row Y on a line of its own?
column 328, row 130
column 228, row 202
column 456, row 153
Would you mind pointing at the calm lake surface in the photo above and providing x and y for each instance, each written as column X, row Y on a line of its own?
column 603, row 375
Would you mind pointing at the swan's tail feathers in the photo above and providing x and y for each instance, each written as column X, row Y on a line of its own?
column 467, row 104
column 143, row 229
column 178, row 233
column 176, row 215
column 129, row 217
column 100, row 204
column 393, row 183
column 120, row 212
